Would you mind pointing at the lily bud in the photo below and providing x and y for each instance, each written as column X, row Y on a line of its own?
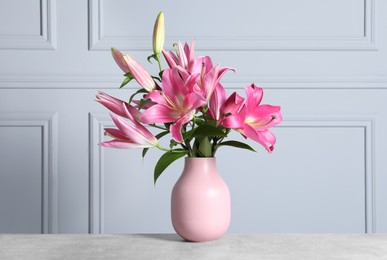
column 140, row 74
column 159, row 34
column 119, row 58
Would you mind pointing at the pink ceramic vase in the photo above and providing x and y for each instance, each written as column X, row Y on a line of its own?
column 200, row 204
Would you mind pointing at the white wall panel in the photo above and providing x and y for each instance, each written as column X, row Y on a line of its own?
column 28, row 174
column 28, row 25
column 293, row 25
column 22, row 18
column 21, row 180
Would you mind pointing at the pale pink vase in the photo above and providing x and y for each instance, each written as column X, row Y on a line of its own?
column 200, row 204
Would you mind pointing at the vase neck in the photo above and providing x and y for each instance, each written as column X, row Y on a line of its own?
column 205, row 165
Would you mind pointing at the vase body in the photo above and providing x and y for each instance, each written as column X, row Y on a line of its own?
column 200, row 203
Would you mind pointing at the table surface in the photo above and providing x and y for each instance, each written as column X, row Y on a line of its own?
column 171, row 246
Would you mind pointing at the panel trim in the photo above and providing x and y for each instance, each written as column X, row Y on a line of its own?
column 96, row 173
column 367, row 122
column 100, row 42
column 272, row 81
column 96, row 134
column 47, row 38
column 49, row 125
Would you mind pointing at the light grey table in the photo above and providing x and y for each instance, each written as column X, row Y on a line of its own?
column 170, row 246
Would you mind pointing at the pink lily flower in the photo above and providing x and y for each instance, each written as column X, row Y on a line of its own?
column 112, row 103
column 119, row 58
column 175, row 103
column 210, row 81
column 221, row 106
column 184, row 58
column 127, row 135
column 253, row 120
column 188, row 65
column 140, row 74
column 210, row 76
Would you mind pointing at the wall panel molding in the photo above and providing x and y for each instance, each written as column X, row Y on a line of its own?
column 47, row 38
column 96, row 135
column 368, row 123
column 96, row 175
column 48, row 124
column 98, row 41
column 274, row 81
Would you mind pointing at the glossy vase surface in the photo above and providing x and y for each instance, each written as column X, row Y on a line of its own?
column 200, row 203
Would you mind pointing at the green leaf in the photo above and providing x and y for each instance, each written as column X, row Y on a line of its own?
column 141, row 90
column 237, row 144
column 195, row 148
column 179, row 150
column 143, row 102
column 172, row 143
column 165, row 160
column 208, row 130
column 188, row 134
column 205, row 148
column 126, row 81
column 161, row 74
column 144, row 151
column 156, row 78
column 199, row 120
column 160, row 135
column 153, row 56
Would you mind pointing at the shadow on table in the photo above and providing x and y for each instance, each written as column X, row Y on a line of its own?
column 166, row 237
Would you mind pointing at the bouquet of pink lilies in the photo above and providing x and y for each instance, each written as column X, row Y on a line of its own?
column 187, row 101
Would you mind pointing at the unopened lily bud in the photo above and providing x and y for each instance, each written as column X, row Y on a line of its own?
column 119, row 58
column 159, row 34
column 139, row 73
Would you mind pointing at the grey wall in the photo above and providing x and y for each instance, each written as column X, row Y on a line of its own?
column 324, row 62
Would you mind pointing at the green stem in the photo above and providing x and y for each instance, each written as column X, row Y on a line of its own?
column 162, row 148
column 159, row 127
column 215, row 142
column 158, row 62
column 188, row 146
column 193, row 122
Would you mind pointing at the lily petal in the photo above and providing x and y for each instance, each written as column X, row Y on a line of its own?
column 159, row 114
column 181, row 55
column 193, row 101
column 170, row 59
column 132, row 133
column 233, row 104
column 190, row 52
column 253, row 96
column 259, row 137
column 233, row 121
column 157, row 97
column 115, row 133
column 119, row 58
column 176, row 128
column 135, row 116
column 122, row 144
column 112, row 103
column 216, row 101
